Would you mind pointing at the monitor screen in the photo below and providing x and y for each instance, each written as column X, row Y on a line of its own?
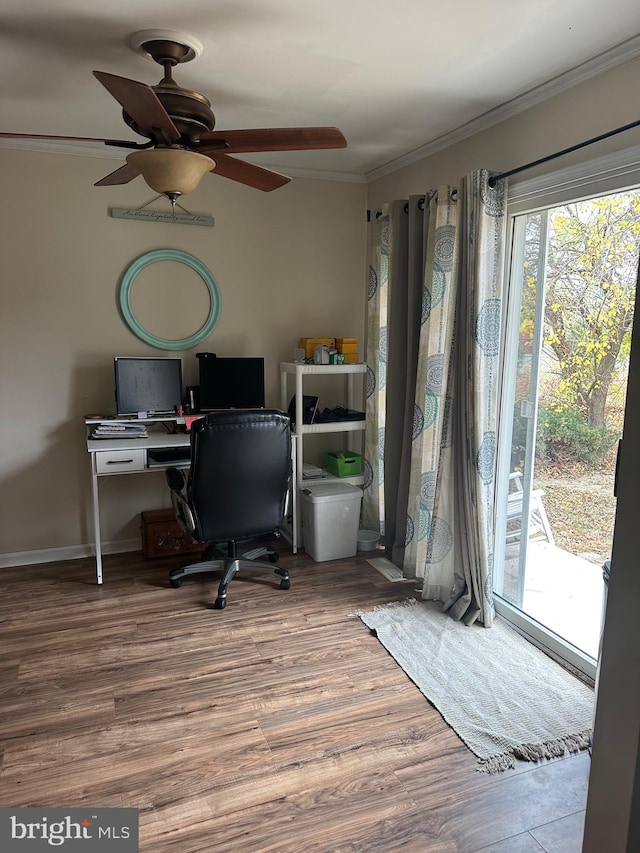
column 231, row 383
column 151, row 385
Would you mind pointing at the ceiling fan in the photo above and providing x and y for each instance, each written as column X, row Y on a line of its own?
column 179, row 125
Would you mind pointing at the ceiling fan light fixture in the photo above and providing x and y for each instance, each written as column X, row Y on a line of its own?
column 171, row 171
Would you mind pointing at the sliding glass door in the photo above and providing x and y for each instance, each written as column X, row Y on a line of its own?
column 570, row 308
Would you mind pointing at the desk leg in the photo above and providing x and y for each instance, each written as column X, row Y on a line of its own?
column 96, row 524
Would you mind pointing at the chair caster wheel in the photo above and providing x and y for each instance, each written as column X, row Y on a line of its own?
column 285, row 583
column 175, row 583
column 220, row 603
column 273, row 558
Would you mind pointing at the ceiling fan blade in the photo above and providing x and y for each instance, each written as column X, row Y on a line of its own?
column 122, row 175
column 275, row 139
column 115, row 142
column 247, row 173
column 140, row 102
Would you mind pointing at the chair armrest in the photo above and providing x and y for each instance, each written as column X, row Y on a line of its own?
column 176, row 481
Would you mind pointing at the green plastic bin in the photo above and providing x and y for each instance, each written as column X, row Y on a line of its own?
column 343, row 463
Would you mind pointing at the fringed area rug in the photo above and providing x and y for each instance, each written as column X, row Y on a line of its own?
column 504, row 697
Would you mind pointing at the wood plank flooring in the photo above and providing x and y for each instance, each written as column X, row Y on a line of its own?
column 275, row 726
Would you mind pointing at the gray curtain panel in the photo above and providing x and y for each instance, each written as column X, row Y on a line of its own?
column 433, row 348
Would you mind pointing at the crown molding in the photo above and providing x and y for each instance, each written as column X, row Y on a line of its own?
column 624, row 52
column 50, row 146
column 110, row 152
column 319, row 174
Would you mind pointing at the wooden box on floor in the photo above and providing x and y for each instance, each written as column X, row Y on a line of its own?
column 162, row 536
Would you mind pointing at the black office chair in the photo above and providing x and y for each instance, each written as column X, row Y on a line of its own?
column 236, row 490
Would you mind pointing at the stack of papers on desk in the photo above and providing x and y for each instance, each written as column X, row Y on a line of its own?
column 119, row 430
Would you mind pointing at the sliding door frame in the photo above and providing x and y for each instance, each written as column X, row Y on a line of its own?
column 599, row 177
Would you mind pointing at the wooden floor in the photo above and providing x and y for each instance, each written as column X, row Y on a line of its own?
column 279, row 724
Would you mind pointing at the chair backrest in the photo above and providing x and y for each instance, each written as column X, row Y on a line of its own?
column 239, row 475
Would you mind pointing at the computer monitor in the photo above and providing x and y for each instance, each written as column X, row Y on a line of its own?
column 230, row 383
column 150, row 385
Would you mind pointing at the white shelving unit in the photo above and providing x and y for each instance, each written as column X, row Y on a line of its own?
column 299, row 373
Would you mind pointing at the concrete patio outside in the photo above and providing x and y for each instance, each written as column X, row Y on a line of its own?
column 563, row 592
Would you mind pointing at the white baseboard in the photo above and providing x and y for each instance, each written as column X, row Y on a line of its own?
column 67, row 552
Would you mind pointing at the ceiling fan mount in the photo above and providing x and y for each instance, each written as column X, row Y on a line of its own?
column 179, row 124
column 151, row 44
column 166, row 51
column 190, row 111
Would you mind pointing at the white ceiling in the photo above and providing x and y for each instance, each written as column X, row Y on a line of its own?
column 397, row 77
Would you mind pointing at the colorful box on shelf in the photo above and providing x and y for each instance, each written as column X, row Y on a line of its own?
column 309, row 344
column 347, row 345
column 343, row 463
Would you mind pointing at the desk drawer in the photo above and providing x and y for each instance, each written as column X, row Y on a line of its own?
column 117, row 461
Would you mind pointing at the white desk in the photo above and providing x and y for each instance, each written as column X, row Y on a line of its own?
column 114, row 456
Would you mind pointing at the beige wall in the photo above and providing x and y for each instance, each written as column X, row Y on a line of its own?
column 588, row 110
column 287, row 263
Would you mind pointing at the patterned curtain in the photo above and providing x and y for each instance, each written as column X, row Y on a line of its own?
column 448, row 536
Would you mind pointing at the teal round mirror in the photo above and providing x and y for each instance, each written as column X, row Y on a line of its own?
column 126, row 286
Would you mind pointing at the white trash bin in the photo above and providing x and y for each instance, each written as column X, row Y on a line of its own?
column 330, row 518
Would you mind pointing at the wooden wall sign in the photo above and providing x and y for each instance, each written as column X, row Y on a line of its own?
column 166, row 216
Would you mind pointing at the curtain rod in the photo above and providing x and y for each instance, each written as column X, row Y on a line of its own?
column 495, row 178
column 378, row 213
column 420, row 204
